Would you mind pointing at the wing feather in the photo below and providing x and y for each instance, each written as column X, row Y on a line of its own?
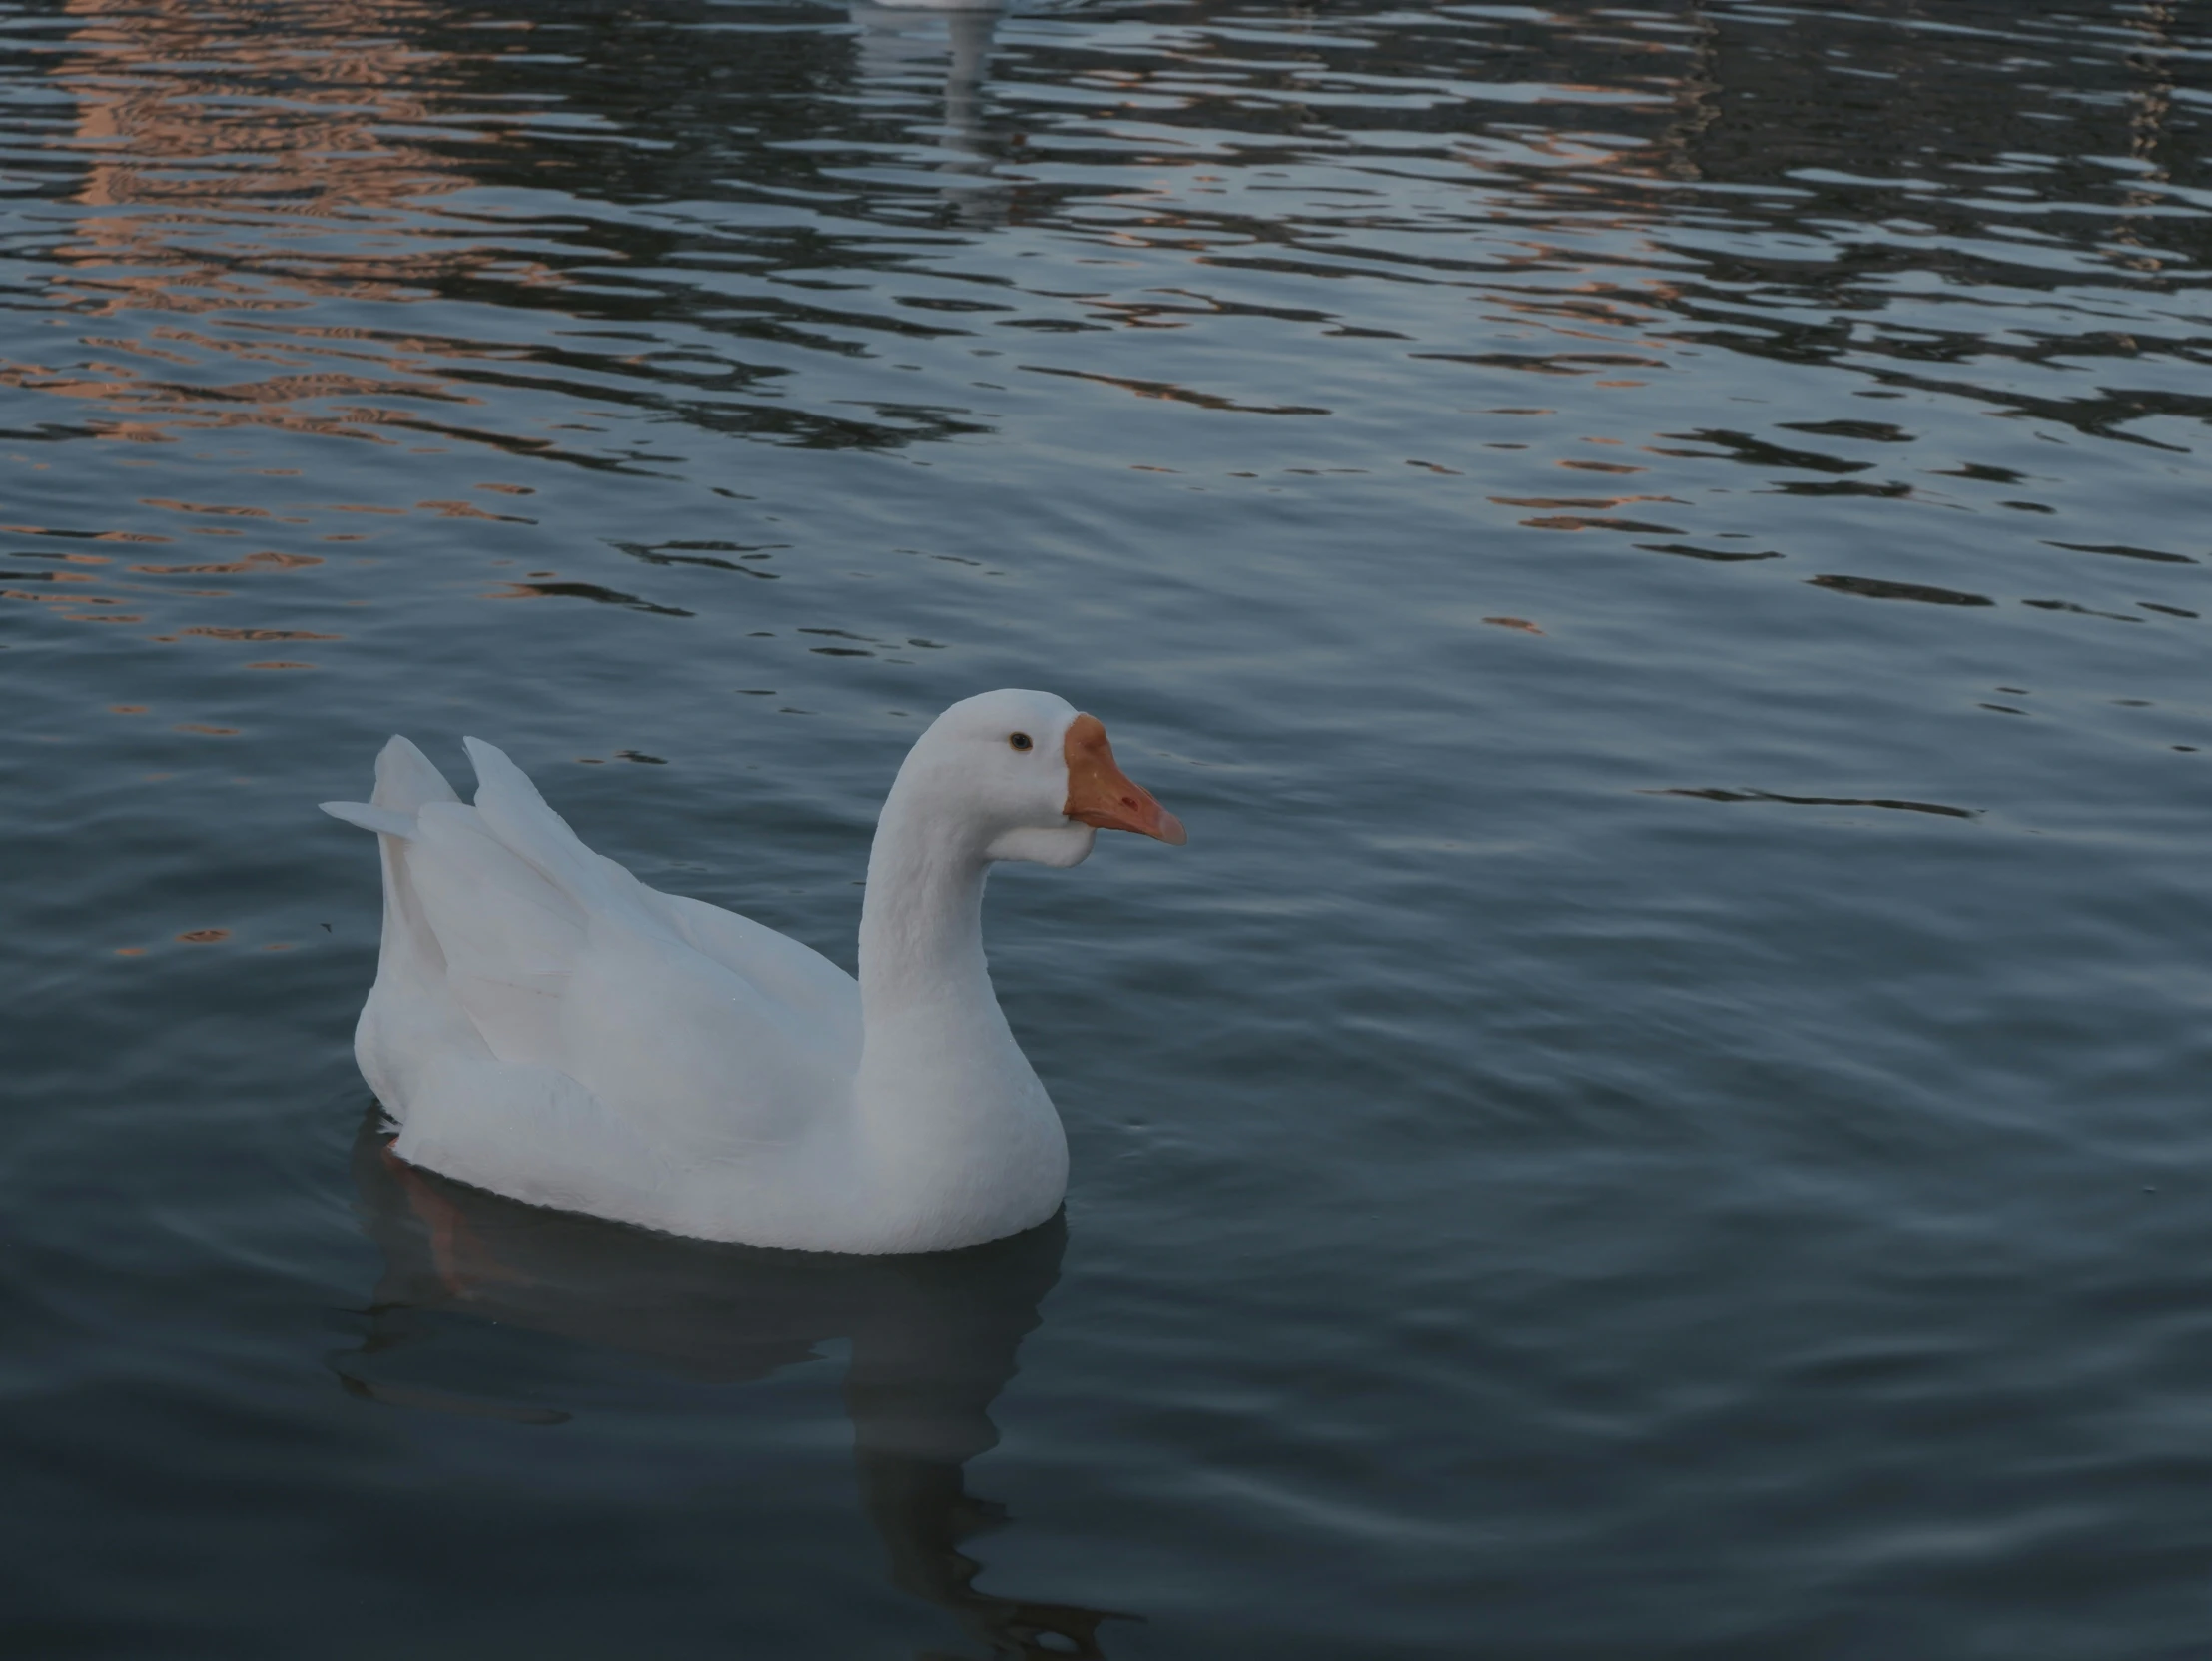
column 677, row 1023
column 785, row 971
column 514, row 811
column 511, row 938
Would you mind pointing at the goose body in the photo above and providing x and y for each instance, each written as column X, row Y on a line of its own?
column 545, row 1026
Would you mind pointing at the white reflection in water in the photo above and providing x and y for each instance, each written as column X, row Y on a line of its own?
column 900, row 39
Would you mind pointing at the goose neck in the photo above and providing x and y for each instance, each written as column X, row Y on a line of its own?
column 921, row 923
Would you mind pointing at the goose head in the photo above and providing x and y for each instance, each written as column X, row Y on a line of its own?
column 1025, row 775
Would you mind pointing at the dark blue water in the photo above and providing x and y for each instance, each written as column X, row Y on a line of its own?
column 1662, row 554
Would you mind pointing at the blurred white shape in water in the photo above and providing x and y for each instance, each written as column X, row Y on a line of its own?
column 899, row 38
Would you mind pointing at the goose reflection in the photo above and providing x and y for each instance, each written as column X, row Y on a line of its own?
column 900, row 39
column 933, row 1341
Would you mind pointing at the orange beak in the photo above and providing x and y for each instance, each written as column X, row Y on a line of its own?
column 1099, row 793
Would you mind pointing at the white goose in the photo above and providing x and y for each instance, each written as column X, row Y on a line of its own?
column 545, row 1026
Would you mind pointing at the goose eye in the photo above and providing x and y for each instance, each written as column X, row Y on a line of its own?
column 1020, row 740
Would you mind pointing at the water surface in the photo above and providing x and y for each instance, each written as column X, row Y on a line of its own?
column 1661, row 552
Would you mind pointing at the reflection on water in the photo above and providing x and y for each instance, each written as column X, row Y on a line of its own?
column 235, row 181
column 1665, row 542
column 933, row 1343
column 901, row 44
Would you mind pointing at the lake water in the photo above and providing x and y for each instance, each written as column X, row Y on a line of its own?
column 1661, row 553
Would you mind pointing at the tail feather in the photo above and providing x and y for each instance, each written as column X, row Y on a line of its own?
column 410, row 1011
column 380, row 819
column 522, row 818
column 406, row 779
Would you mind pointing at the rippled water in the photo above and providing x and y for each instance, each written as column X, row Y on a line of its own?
column 1661, row 552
